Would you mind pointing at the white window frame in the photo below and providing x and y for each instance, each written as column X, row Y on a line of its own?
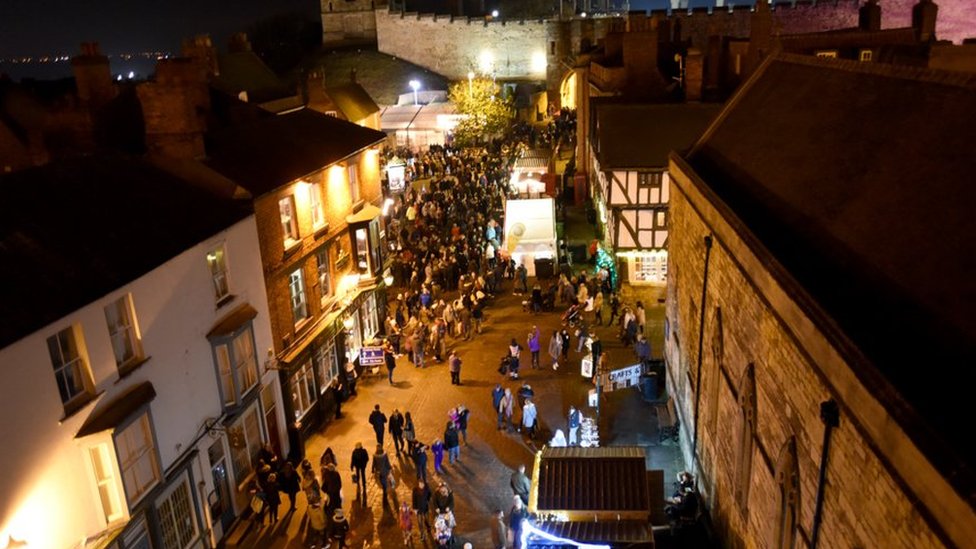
column 289, row 221
column 370, row 314
column 177, row 518
column 352, row 173
column 130, row 458
column 245, row 441
column 77, row 363
column 217, row 264
column 326, row 365
column 296, row 290
column 123, row 330
column 237, row 364
column 301, row 388
column 106, row 482
column 316, row 206
column 323, row 268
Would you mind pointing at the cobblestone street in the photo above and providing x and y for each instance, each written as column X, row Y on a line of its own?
column 481, row 480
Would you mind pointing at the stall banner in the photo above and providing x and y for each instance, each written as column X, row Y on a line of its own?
column 623, row 377
column 371, row 356
column 586, row 366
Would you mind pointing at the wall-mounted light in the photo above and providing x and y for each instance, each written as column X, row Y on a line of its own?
column 348, row 322
column 388, row 280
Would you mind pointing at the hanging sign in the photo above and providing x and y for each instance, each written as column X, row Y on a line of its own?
column 623, row 377
column 371, row 356
column 586, row 366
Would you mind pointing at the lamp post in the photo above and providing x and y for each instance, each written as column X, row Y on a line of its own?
column 415, row 85
column 470, row 84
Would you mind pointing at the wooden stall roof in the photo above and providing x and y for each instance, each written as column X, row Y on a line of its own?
column 591, row 479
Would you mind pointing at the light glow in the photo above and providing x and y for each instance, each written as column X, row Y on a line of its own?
column 486, row 61
column 529, row 529
column 539, row 62
column 386, row 206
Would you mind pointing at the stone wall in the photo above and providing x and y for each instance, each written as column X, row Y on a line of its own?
column 872, row 495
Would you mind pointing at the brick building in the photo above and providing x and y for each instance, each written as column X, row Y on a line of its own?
column 818, row 308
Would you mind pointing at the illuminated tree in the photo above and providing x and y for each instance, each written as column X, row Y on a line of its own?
column 485, row 111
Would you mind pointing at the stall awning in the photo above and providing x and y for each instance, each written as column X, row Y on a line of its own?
column 609, row 532
column 230, row 323
column 368, row 213
column 118, row 410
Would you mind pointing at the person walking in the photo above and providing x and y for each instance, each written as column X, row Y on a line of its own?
column 452, row 443
column 272, row 497
column 514, row 351
column 339, row 529
column 529, row 416
column 505, row 408
column 443, row 499
column 438, row 450
column 496, row 399
column 421, row 505
column 396, row 430
column 534, row 346
column 382, row 469
column 499, row 530
column 521, row 484
column 406, row 523
column 390, row 360
column 555, row 349
column 641, row 317
column 358, row 462
column 290, row 483
column 310, row 484
column 409, row 433
column 642, row 349
column 454, row 365
column 462, row 422
column 598, row 308
column 614, row 308
column 564, row 336
column 419, row 455
column 378, row 420
column 317, row 523
column 332, row 486
column 596, row 349
column 574, row 419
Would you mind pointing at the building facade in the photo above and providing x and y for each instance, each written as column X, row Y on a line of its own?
column 802, row 413
column 147, row 400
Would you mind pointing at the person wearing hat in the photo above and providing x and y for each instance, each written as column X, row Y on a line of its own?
column 339, row 529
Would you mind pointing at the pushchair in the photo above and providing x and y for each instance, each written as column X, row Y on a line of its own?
column 572, row 316
column 509, row 366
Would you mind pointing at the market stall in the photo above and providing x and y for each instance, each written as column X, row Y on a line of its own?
column 530, row 232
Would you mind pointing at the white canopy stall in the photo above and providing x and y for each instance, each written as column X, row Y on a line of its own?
column 530, row 231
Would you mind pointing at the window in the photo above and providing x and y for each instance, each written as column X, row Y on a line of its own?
column 244, row 437
column 218, row 272
column 120, row 317
column 650, row 267
column 371, row 323
column 296, row 287
column 289, row 223
column 325, row 276
column 177, row 519
column 650, row 179
column 105, row 481
column 70, row 366
column 315, row 203
column 737, row 68
column 788, row 482
column 747, row 430
column 137, row 458
column 353, row 171
column 237, row 365
column 866, row 55
column 326, row 365
column 302, row 388
column 366, row 245
column 828, row 54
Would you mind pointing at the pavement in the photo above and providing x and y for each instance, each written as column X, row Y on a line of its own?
column 480, row 481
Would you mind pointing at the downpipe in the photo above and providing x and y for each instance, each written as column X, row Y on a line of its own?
column 830, row 415
column 701, row 336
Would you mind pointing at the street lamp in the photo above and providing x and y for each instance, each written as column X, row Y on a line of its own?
column 415, row 85
column 494, row 13
column 470, row 84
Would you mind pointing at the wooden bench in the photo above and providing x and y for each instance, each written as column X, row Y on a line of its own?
column 667, row 421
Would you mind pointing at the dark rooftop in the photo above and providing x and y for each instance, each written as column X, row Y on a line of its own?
column 245, row 71
column 858, row 179
column 383, row 76
column 75, row 230
column 353, row 101
column 592, row 479
column 267, row 152
column 641, row 135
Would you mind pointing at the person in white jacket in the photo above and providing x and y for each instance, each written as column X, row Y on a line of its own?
column 529, row 415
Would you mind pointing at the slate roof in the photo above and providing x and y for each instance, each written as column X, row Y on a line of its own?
column 245, row 71
column 641, row 135
column 75, row 230
column 353, row 101
column 858, row 179
column 266, row 152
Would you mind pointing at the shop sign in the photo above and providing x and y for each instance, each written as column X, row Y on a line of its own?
column 623, row 377
column 371, row 356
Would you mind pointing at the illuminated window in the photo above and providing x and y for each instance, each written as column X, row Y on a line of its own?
column 120, row 317
column 866, row 55
column 326, row 365
column 302, row 389
column 371, row 323
column 177, row 519
column 244, row 437
column 70, row 366
column 650, row 267
column 315, row 203
column 737, row 69
column 325, row 276
column 296, row 287
column 353, row 172
column 237, row 365
column 137, row 458
column 289, row 223
column 106, row 483
column 218, row 273
column 828, row 54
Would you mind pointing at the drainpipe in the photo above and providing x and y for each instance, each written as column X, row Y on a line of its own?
column 830, row 415
column 701, row 337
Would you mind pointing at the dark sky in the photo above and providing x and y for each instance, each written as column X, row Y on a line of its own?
column 32, row 27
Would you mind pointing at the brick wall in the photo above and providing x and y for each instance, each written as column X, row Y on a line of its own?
column 868, row 503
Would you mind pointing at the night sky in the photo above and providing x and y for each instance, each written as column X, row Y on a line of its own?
column 37, row 27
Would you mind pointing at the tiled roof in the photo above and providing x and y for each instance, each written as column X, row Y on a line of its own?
column 592, row 479
column 642, row 135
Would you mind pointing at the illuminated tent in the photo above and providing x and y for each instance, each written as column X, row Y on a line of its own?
column 530, row 231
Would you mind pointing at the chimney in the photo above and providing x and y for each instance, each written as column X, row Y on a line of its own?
column 924, row 15
column 201, row 48
column 760, row 35
column 694, row 73
column 238, row 43
column 869, row 16
column 174, row 108
column 93, row 77
column 640, row 62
